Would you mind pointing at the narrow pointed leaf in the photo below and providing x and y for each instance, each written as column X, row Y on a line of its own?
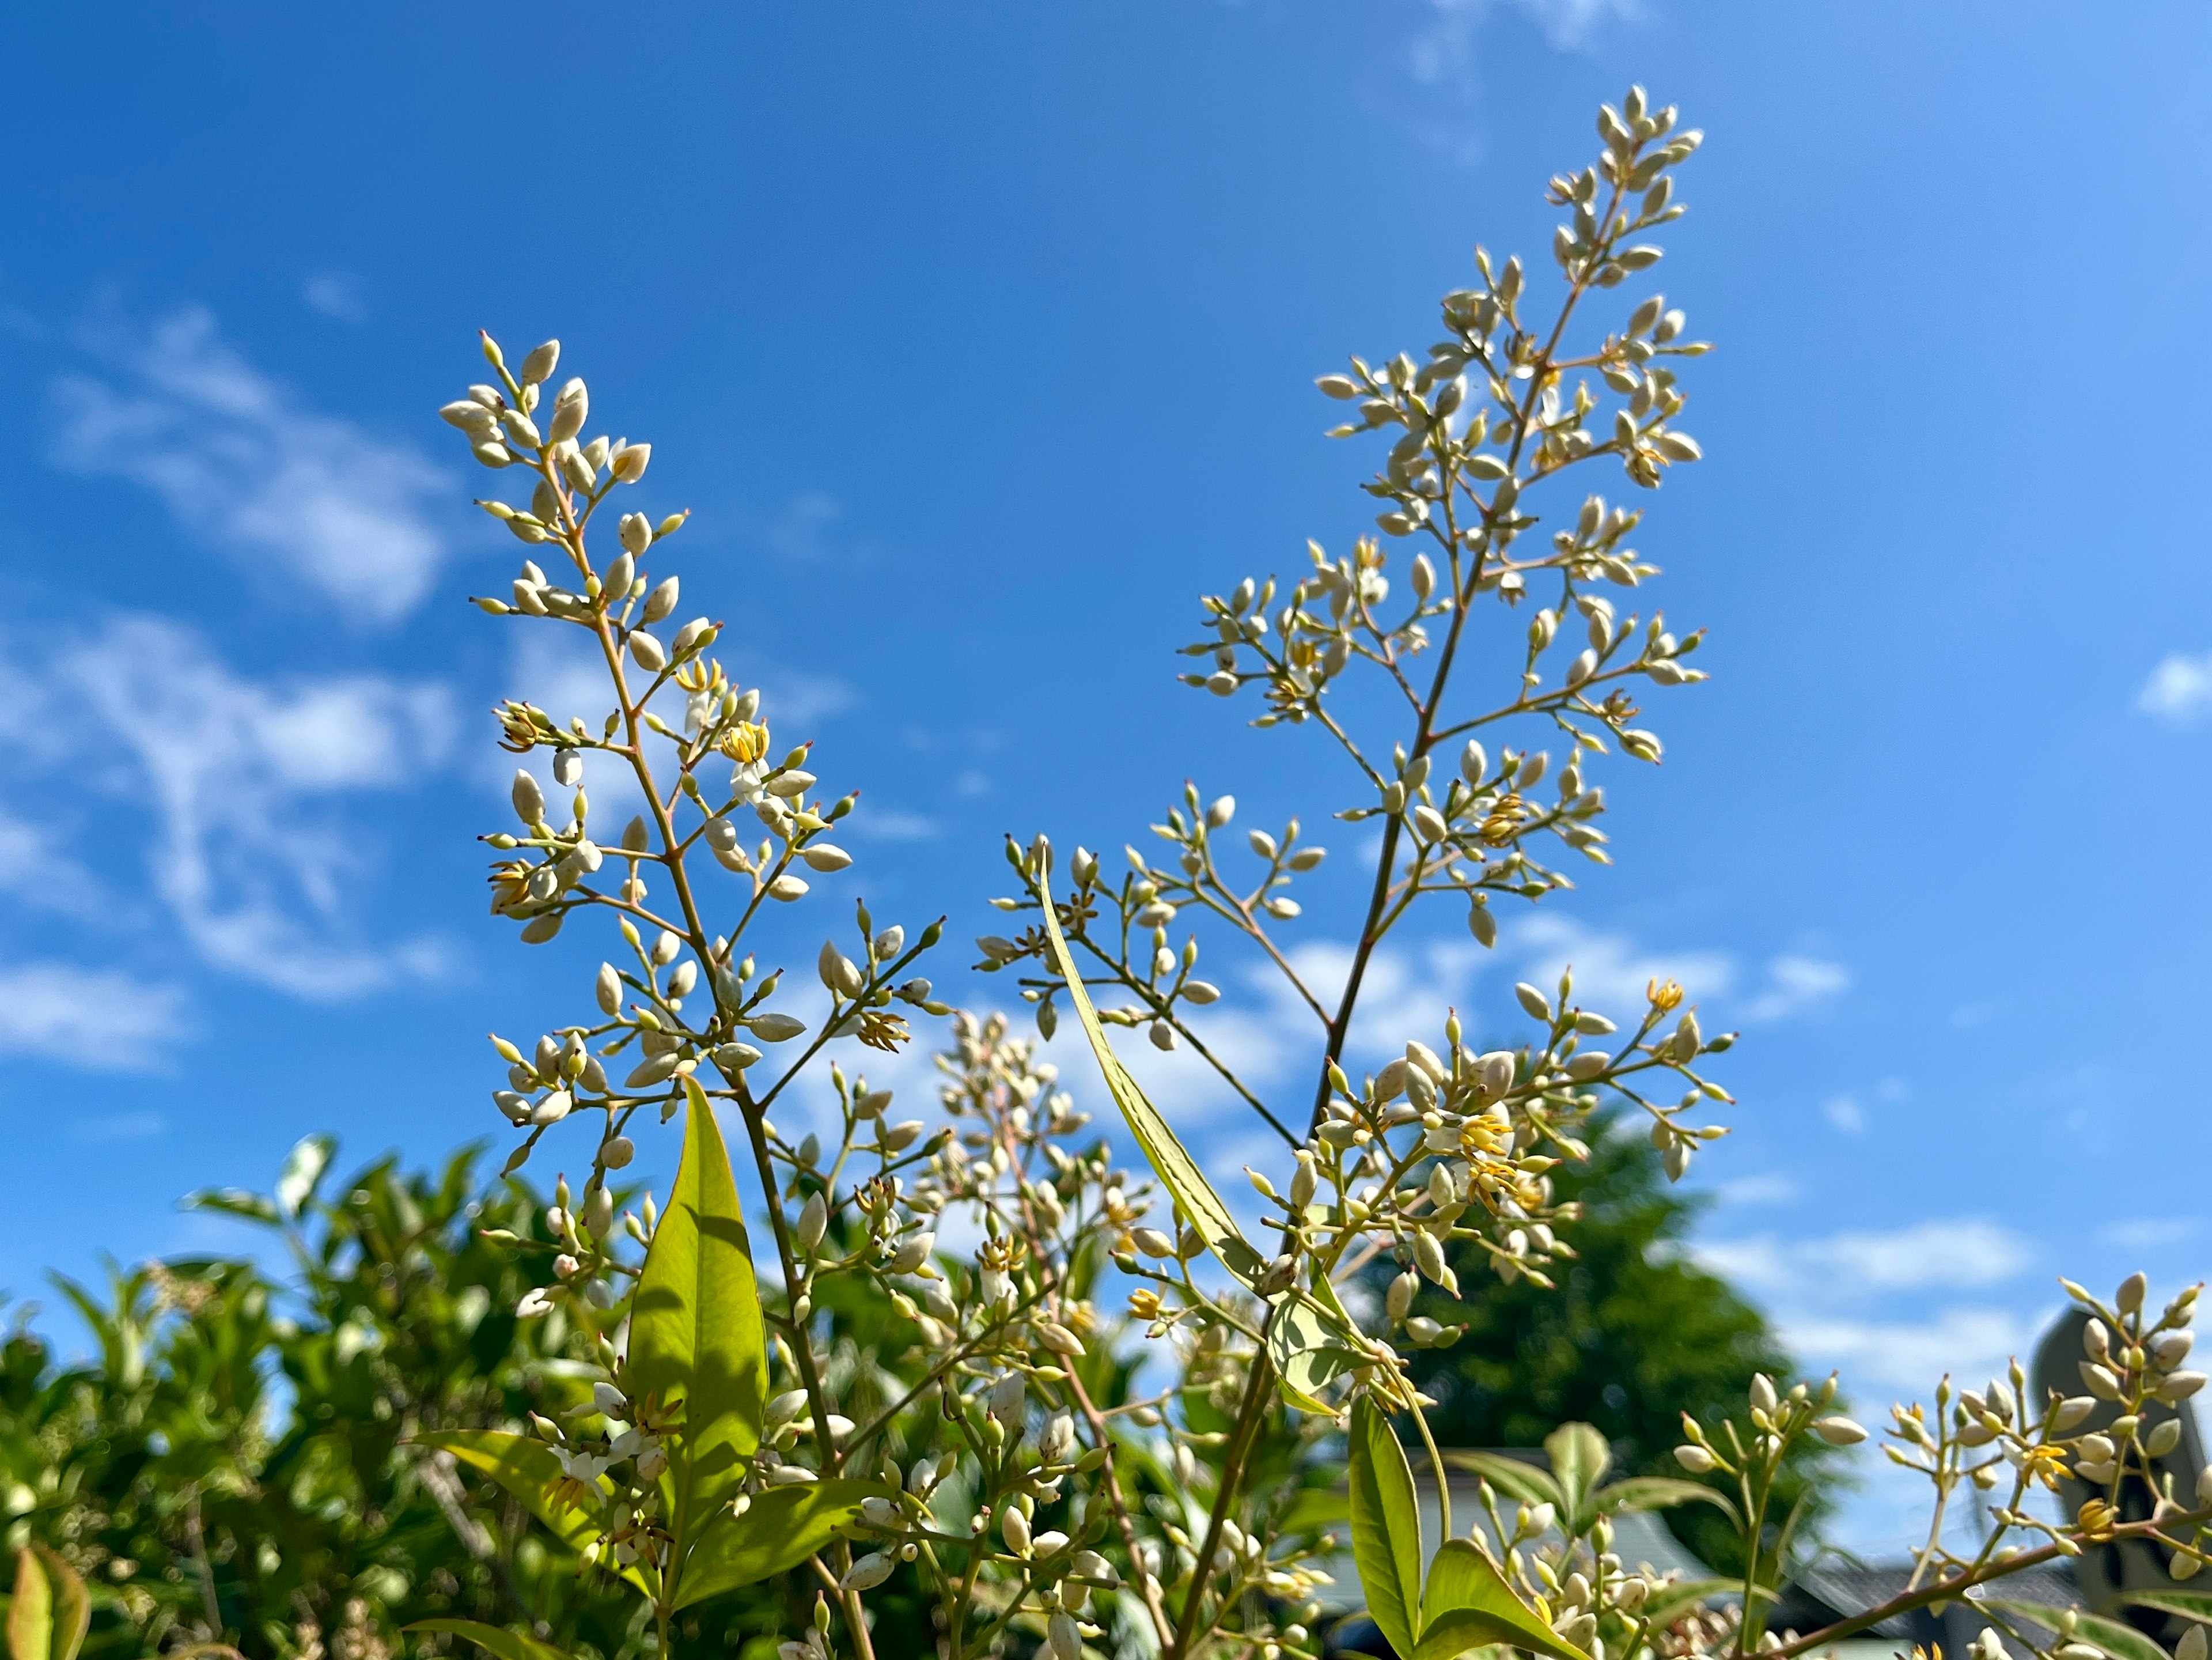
column 2112, row 1637
column 495, row 1639
column 1386, row 1526
column 31, row 1614
column 71, row 1605
column 2188, row 1604
column 1670, row 1602
column 528, row 1468
column 783, row 1527
column 1648, row 1493
column 694, row 1332
column 303, row 1170
column 1201, row 1207
column 1516, row 1479
column 1467, row 1604
column 1579, row 1460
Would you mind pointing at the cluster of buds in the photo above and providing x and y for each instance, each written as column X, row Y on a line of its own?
column 1775, row 1419
column 613, row 1476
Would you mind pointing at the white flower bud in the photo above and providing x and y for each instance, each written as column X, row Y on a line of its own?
column 839, row 972
column 888, row 943
column 630, row 462
column 553, row 1108
column 635, row 530
column 1152, row 1242
column 1695, row 1459
column 1763, row 1398
column 1482, row 924
column 1498, row 1069
column 773, row 1028
column 528, row 798
column 898, row 1137
column 788, row 888
column 609, row 988
column 736, row 1057
column 813, row 1221
column 822, row 855
column 1398, row 1301
column 662, row 600
column 1090, row 1566
column 912, row 1253
column 1201, row 991
column 1014, row 1527
column 1062, row 1637
column 1534, row 1001
column 867, row 1571
column 1222, row 810
column 616, row 1152
column 1838, row 1432
column 569, row 769
column 1423, row 1330
column 537, row 367
column 650, row 655
column 685, row 976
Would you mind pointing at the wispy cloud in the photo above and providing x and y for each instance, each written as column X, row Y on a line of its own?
column 2150, row 1232
column 94, row 1019
column 239, row 783
column 1794, row 984
column 245, row 464
column 2179, row 689
column 1971, row 1252
column 1906, row 1357
column 337, row 294
column 1611, row 970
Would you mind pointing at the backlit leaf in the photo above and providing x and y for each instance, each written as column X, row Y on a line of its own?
column 528, row 1468
column 1579, row 1458
column 782, row 1528
column 496, row 1640
column 51, row 1611
column 2112, row 1637
column 1467, row 1604
column 1511, row 1477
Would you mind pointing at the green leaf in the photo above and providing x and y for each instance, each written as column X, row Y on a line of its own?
column 694, row 1329
column 47, row 1619
column 528, row 1468
column 1201, row 1207
column 1467, row 1604
column 1670, row 1602
column 1313, row 1342
column 1647, row 1493
column 507, row 1644
column 2188, row 1604
column 783, row 1527
column 1580, row 1458
column 1386, row 1526
column 2114, row 1636
column 303, row 1169
column 1510, row 1476
column 1315, row 1510
column 232, row 1201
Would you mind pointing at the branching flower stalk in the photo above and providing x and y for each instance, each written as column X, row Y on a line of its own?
column 959, row 1415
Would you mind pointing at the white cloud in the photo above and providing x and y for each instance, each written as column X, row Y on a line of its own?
column 1845, row 1112
column 1769, row 1187
column 1445, row 50
column 337, row 294
column 1907, row 1357
column 1794, row 984
column 242, row 462
column 97, row 1019
column 1970, row 1252
column 237, row 780
column 2179, row 689
column 1611, row 970
column 2150, row 1232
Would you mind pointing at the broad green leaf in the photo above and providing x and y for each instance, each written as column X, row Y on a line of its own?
column 2120, row 1640
column 1386, row 1526
column 1316, row 1509
column 1646, row 1493
column 528, row 1468
column 303, row 1168
column 1579, row 1458
column 1510, row 1476
column 694, row 1330
column 507, row 1644
column 1201, row 1207
column 2188, row 1604
column 1467, row 1604
column 48, row 1617
column 1670, row 1602
column 783, row 1527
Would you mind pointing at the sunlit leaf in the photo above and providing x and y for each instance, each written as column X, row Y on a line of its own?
column 1201, row 1207
column 783, row 1527
column 1386, row 1526
column 1648, row 1493
column 496, row 1640
column 303, row 1168
column 1313, row 1343
column 232, row 1201
column 50, row 1613
column 2111, row 1637
column 2188, row 1604
column 696, row 1334
column 1511, row 1477
column 1579, row 1459
column 1467, row 1604
column 528, row 1468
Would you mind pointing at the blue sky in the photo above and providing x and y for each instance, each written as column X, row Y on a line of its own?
column 979, row 340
